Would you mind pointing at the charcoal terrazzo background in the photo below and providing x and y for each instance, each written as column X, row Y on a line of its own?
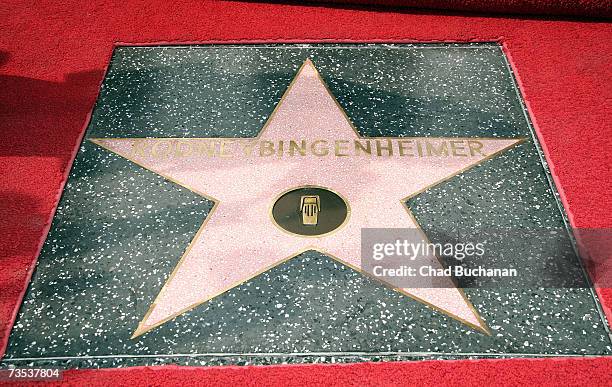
column 120, row 230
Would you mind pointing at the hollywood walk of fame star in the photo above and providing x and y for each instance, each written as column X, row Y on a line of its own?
column 239, row 239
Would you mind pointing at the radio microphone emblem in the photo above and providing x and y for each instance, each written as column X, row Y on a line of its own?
column 310, row 206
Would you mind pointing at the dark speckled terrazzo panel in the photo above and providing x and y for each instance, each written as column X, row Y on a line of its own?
column 120, row 230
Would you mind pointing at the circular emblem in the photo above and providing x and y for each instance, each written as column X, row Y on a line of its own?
column 310, row 211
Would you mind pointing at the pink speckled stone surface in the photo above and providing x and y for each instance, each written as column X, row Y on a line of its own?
column 239, row 240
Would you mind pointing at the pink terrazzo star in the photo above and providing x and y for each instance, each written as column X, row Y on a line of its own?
column 239, row 240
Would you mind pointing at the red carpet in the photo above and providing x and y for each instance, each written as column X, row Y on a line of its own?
column 53, row 56
column 591, row 8
column 427, row 373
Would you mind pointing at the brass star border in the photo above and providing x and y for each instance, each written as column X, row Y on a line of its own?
column 142, row 329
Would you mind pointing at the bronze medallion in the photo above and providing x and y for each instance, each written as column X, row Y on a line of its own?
column 310, row 211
